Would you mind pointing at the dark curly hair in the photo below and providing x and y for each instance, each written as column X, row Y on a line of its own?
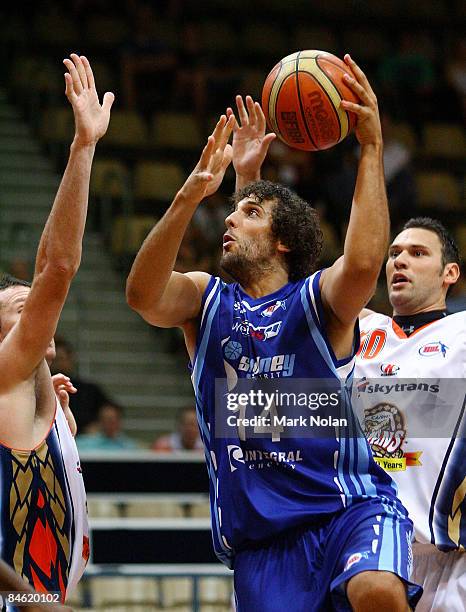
column 294, row 222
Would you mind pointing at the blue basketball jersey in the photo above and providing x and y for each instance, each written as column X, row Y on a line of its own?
column 264, row 486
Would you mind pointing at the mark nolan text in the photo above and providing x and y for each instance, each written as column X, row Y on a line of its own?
column 284, row 421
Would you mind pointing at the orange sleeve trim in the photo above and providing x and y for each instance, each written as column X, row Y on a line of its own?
column 400, row 333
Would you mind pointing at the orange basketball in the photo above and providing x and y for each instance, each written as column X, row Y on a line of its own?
column 301, row 100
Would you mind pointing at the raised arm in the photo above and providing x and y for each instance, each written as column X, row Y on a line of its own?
column 59, row 251
column 348, row 285
column 250, row 142
column 161, row 296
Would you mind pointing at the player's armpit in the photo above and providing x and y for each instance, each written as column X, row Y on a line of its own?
column 180, row 302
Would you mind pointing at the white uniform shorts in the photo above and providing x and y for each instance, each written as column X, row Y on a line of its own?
column 442, row 576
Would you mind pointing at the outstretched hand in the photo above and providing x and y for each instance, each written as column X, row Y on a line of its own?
column 91, row 118
column 368, row 129
column 216, row 156
column 250, row 142
column 63, row 386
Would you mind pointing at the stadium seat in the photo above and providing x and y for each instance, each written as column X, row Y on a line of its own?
column 154, row 509
column 461, row 238
column 176, row 591
column 57, row 125
column 200, row 510
column 405, row 134
column 157, row 180
column 128, row 233
column 438, row 190
column 110, row 177
column 444, row 140
column 102, row 509
column 110, row 593
column 126, row 129
column 178, row 131
column 214, row 590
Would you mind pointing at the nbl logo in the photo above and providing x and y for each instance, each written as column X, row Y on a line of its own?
column 432, row 349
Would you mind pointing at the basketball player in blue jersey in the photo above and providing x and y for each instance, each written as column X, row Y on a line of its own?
column 425, row 345
column 43, row 518
column 307, row 524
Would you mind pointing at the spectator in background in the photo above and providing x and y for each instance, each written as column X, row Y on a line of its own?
column 109, row 435
column 84, row 404
column 186, row 436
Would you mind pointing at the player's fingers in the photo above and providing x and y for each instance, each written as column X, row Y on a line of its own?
column 226, row 133
column 229, row 114
column 69, row 92
column 109, row 99
column 358, row 89
column 216, row 134
column 77, row 85
column 227, row 157
column 64, row 398
column 352, row 107
column 242, row 114
column 251, row 110
column 206, row 153
column 358, row 73
column 88, row 70
column 260, row 117
column 267, row 141
column 68, row 386
column 80, row 68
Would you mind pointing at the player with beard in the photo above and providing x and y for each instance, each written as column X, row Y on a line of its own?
column 421, row 428
column 307, row 524
column 43, row 516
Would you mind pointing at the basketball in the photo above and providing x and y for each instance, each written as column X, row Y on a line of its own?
column 301, row 100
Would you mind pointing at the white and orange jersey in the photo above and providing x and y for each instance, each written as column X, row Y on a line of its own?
column 409, row 394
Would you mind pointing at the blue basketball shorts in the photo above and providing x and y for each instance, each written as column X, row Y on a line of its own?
column 307, row 569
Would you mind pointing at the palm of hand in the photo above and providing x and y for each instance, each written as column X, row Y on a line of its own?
column 91, row 120
column 247, row 149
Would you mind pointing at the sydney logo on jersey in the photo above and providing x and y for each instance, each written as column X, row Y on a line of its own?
column 389, row 369
column 262, row 332
column 274, row 366
column 433, row 348
column 268, row 312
